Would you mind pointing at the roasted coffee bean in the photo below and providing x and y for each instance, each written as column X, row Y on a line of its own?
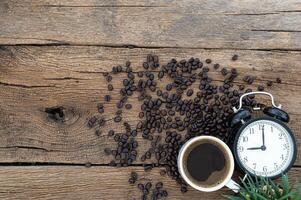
column 109, row 78
column 140, row 186
column 260, row 88
column 128, row 106
column 278, row 80
column 98, row 132
column 216, row 66
column 110, row 87
column 140, row 74
column 208, row 61
column 148, row 185
column 241, row 87
column 159, row 185
column 107, row 98
column 127, row 63
column 189, row 92
column 111, row 133
column 269, row 83
column 224, row 71
column 92, row 122
column 117, row 119
column 234, row 57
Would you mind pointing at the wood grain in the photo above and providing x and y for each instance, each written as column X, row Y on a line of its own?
column 34, row 78
column 91, row 183
column 268, row 24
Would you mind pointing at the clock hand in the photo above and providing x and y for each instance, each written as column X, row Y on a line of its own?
column 263, row 147
column 254, row 148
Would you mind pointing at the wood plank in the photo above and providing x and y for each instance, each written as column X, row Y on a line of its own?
column 91, row 183
column 269, row 24
column 72, row 77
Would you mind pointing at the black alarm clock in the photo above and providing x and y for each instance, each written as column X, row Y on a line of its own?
column 263, row 146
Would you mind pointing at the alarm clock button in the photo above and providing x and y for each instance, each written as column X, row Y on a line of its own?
column 276, row 113
column 243, row 114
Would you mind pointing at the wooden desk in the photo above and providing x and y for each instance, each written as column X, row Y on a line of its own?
column 53, row 53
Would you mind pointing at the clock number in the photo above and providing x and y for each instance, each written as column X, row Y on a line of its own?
column 245, row 159
column 254, row 166
column 261, row 126
column 272, row 129
column 245, row 139
column 265, row 168
column 275, row 165
column 251, row 130
column 282, row 157
column 285, row 146
column 280, row 136
column 241, row 148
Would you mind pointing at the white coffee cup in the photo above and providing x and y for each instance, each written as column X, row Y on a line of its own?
column 227, row 181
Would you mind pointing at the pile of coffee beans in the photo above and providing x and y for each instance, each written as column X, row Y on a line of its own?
column 189, row 104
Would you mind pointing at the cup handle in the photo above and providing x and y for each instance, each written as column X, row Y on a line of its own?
column 233, row 186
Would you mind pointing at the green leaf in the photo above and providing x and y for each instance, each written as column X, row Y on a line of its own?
column 285, row 184
column 229, row 197
column 286, row 196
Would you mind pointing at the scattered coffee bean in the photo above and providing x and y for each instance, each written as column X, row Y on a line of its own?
column 208, row 61
column 92, row 122
column 128, row 106
column 117, row 119
column 110, row 87
column 167, row 118
column 216, row 66
column 278, row 80
column 260, row 88
column 107, row 98
column 111, row 133
column 98, row 132
column 234, row 57
column 109, row 78
column 269, row 83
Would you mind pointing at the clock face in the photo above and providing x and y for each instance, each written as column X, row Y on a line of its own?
column 265, row 147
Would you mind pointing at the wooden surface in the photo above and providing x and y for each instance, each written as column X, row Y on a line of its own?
column 53, row 53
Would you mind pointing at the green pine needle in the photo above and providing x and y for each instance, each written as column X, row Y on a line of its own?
column 260, row 188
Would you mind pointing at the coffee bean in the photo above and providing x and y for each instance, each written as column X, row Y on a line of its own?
column 208, row 61
column 234, row 57
column 224, row 71
column 128, row 106
column 111, row 133
column 278, row 80
column 107, row 98
column 117, row 119
column 269, row 83
column 260, row 88
column 159, row 185
column 140, row 186
column 92, row 122
column 98, row 132
column 189, row 92
column 110, row 87
column 216, row 66
column 109, row 78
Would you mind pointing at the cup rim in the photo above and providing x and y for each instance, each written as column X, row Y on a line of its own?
column 183, row 174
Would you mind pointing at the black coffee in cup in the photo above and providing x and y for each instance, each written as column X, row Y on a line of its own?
column 206, row 163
